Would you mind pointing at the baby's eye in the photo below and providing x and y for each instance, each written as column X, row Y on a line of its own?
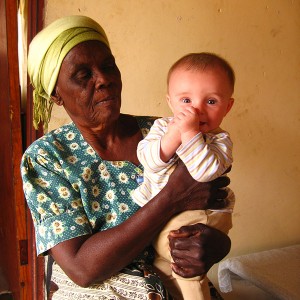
column 186, row 100
column 211, row 101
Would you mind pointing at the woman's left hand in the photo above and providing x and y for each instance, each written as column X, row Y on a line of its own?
column 196, row 248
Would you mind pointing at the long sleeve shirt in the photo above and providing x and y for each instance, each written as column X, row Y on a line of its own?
column 205, row 156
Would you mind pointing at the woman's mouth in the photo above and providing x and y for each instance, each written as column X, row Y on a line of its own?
column 106, row 100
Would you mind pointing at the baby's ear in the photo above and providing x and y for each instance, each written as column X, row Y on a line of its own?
column 230, row 104
column 169, row 102
column 55, row 97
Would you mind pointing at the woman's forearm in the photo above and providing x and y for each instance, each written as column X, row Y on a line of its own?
column 99, row 256
column 88, row 259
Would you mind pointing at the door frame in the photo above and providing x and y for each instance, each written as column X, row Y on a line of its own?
column 22, row 271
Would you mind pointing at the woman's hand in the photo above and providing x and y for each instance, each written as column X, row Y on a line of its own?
column 196, row 248
column 191, row 195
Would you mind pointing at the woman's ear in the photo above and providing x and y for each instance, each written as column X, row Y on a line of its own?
column 55, row 97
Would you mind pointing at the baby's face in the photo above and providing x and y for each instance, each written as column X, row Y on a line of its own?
column 209, row 92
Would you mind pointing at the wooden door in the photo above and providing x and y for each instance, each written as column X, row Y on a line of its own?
column 21, row 270
column 13, row 223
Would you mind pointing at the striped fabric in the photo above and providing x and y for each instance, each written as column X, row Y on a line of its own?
column 205, row 156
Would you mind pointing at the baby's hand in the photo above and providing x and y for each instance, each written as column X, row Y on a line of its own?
column 187, row 122
column 173, row 132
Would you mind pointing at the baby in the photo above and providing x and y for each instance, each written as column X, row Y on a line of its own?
column 200, row 89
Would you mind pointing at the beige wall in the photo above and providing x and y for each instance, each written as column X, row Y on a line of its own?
column 261, row 39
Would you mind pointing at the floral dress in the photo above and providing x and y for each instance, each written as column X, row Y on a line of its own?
column 72, row 192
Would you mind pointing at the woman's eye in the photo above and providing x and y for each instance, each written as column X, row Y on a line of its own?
column 110, row 66
column 186, row 100
column 82, row 75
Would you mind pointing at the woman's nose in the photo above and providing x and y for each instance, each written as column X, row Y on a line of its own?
column 101, row 81
column 100, row 85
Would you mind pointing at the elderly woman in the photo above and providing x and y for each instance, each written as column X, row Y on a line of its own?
column 78, row 178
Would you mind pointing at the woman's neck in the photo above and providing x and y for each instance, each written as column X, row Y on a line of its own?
column 116, row 141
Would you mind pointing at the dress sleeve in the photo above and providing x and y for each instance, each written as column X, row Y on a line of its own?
column 148, row 150
column 207, row 158
column 55, row 204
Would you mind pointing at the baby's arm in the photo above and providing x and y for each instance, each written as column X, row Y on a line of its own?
column 187, row 122
column 207, row 160
column 183, row 127
column 149, row 149
column 170, row 142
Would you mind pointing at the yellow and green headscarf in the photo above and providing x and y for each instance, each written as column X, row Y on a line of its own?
column 46, row 53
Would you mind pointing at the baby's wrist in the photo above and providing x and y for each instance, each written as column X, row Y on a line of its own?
column 187, row 136
column 173, row 136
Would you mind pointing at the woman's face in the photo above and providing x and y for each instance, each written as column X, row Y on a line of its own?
column 89, row 85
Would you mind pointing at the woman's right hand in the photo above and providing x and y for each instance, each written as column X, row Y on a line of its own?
column 188, row 194
column 196, row 248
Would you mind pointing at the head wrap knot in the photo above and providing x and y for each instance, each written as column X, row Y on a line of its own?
column 46, row 53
